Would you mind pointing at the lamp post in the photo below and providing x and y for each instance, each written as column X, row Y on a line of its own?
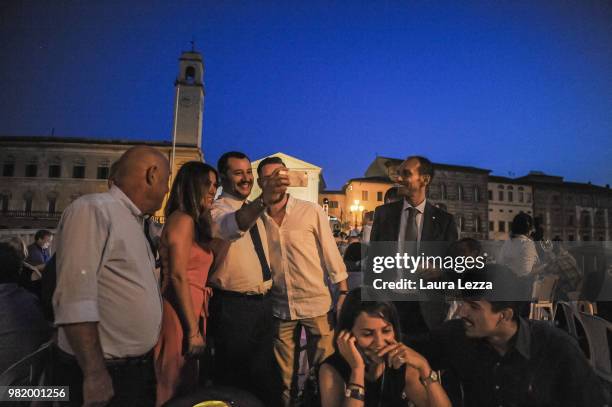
column 356, row 208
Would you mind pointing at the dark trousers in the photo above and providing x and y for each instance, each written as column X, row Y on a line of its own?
column 133, row 379
column 243, row 331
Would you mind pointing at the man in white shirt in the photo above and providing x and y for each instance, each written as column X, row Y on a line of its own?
column 303, row 256
column 107, row 302
column 241, row 310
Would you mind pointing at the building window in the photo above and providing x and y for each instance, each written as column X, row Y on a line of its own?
column 78, row 171
column 31, row 170
column 103, row 172
column 501, row 226
column 28, row 204
column 461, row 223
column 460, row 192
column 528, row 195
column 501, row 195
column 570, row 220
column 443, row 191
column 490, row 195
column 570, row 238
column 51, row 205
column 491, row 226
column 476, row 194
column 4, row 201
column 510, row 196
column 333, row 204
column 379, row 196
column 8, row 169
column 477, row 223
column 190, row 75
column 521, row 196
column 585, row 219
column 55, row 171
column 364, row 195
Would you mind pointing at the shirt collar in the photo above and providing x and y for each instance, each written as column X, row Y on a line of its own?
column 420, row 207
column 290, row 203
column 119, row 195
column 233, row 200
column 522, row 338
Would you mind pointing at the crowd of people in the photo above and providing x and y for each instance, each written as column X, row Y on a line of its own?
column 221, row 295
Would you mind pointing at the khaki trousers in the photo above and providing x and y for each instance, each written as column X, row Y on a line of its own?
column 319, row 345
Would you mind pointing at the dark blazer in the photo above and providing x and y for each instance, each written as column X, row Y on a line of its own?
column 438, row 227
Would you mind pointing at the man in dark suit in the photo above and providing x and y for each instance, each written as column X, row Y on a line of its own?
column 418, row 227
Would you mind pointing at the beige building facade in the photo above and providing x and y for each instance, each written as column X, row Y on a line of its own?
column 41, row 176
column 507, row 198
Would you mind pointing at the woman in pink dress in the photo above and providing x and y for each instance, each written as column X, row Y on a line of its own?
column 186, row 259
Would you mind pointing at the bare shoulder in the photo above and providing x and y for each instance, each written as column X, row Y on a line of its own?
column 331, row 386
column 179, row 224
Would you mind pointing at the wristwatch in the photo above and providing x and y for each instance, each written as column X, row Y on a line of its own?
column 432, row 378
column 354, row 392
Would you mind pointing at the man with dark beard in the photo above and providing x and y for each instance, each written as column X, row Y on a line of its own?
column 303, row 256
column 240, row 309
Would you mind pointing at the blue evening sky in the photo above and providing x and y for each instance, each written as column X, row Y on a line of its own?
column 511, row 86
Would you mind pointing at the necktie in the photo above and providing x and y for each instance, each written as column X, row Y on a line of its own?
column 411, row 232
column 265, row 269
column 261, row 255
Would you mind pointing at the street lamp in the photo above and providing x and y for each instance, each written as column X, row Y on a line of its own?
column 356, row 208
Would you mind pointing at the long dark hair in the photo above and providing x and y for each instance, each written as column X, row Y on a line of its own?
column 189, row 187
column 353, row 306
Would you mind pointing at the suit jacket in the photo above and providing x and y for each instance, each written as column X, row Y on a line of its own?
column 439, row 230
column 438, row 225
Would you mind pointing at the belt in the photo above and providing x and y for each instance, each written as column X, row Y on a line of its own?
column 115, row 362
column 131, row 360
column 237, row 294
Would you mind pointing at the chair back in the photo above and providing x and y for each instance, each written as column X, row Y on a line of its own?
column 565, row 318
column 598, row 333
column 29, row 371
column 544, row 288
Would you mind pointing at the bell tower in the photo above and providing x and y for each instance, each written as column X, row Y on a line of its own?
column 189, row 100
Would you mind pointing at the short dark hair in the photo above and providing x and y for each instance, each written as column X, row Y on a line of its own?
column 223, row 160
column 521, row 224
column 425, row 166
column 515, row 306
column 353, row 306
column 269, row 160
column 41, row 234
column 11, row 259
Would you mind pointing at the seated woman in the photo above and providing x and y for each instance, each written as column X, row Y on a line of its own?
column 371, row 367
column 186, row 259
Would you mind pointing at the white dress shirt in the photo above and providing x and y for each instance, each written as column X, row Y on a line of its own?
column 106, row 274
column 303, row 255
column 404, row 221
column 520, row 254
column 237, row 267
